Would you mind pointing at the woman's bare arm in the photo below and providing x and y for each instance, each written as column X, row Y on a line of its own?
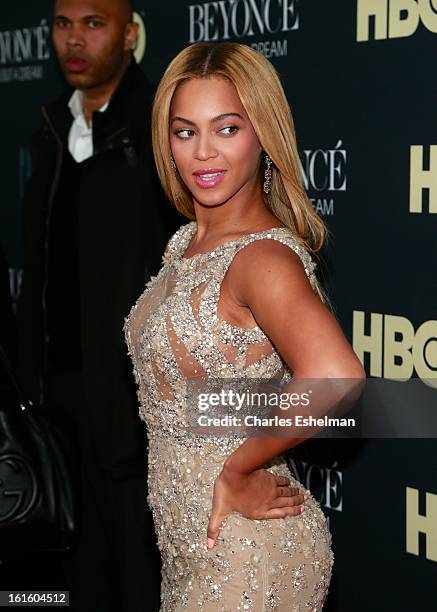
column 267, row 283
column 268, row 279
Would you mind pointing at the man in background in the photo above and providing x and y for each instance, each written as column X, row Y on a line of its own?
column 93, row 234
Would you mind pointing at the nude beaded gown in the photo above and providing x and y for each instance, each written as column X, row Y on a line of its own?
column 173, row 333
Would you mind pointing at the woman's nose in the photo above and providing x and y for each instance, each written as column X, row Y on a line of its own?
column 205, row 148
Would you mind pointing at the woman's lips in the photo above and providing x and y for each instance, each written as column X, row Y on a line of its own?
column 76, row 65
column 208, row 178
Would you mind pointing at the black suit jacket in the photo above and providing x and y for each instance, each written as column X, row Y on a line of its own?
column 124, row 223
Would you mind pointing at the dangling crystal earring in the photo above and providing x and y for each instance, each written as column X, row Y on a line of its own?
column 173, row 165
column 267, row 174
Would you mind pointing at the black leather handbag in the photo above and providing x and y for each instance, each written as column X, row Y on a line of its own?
column 37, row 492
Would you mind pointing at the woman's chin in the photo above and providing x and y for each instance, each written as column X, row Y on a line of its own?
column 210, row 200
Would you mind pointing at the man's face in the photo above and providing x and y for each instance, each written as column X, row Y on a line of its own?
column 92, row 39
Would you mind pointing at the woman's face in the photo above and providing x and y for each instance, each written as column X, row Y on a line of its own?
column 214, row 145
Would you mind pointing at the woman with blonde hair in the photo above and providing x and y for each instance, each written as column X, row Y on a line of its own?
column 236, row 299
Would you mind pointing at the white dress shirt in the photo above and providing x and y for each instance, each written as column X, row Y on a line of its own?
column 80, row 137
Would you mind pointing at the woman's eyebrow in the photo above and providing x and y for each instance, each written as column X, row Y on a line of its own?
column 225, row 115
column 214, row 120
column 183, row 120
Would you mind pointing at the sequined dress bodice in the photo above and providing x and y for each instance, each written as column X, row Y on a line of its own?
column 174, row 334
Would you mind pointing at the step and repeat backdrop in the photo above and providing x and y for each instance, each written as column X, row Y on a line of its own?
column 360, row 78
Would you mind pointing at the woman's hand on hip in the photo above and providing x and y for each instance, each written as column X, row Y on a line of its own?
column 257, row 495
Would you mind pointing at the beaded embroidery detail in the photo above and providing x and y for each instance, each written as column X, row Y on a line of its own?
column 174, row 334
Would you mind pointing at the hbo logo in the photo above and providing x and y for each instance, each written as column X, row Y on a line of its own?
column 394, row 18
column 395, row 348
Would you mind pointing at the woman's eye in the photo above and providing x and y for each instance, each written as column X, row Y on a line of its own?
column 229, row 130
column 186, row 133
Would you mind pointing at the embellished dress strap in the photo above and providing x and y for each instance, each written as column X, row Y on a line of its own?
column 285, row 236
column 178, row 242
column 209, row 309
column 254, row 353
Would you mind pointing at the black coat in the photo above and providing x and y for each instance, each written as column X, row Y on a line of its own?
column 124, row 223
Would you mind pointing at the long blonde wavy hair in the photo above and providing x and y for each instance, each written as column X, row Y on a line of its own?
column 263, row 98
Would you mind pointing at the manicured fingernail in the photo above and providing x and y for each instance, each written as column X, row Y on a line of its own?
column 210, row 543
column 302, row 509
column 306, row 497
